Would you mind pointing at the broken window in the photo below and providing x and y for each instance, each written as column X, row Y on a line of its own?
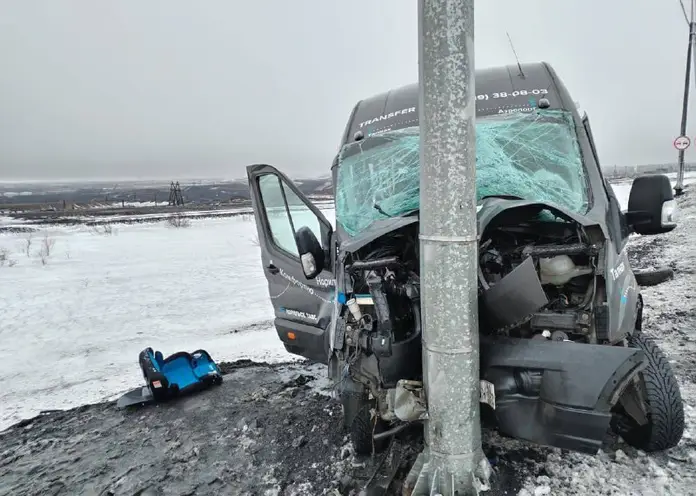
column 532, row 155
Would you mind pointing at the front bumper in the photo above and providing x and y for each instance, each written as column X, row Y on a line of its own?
column 570, row 406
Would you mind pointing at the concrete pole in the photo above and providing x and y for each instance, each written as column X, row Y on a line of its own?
column 690, row 53
column 453, row 460
column 679, row 186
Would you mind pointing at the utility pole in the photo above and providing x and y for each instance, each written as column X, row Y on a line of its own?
column 453, row 461
column 679, row 187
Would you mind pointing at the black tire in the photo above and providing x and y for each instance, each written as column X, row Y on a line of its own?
column 653, row 277
column 362, row 429
column 352, row 401
column 665, row 407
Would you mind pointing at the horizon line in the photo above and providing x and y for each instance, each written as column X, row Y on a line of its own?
column 57, row 181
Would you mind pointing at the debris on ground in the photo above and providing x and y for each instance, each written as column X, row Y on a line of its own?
column 268, row 429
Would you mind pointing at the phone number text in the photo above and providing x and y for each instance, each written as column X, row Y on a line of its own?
column 512, row 94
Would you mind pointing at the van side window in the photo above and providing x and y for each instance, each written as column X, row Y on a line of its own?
column 286, row 213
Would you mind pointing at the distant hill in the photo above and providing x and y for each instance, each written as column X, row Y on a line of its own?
column 195, row 192
column 205, row 192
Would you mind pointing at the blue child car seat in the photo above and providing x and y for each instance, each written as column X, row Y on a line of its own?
column 180, row 373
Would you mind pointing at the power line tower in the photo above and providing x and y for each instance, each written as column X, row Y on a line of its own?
column 175, row 197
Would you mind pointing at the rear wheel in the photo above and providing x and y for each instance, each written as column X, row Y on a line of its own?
column 663, row 402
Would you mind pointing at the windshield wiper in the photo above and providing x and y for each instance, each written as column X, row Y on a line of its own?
column 380, row 210
column 504, row 197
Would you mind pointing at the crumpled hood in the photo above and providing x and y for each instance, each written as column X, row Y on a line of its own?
column 485, row 213
column 492, row 207
column 376, row 230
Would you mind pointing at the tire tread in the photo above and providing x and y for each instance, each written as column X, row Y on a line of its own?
column 665, row 405
column 361, row 431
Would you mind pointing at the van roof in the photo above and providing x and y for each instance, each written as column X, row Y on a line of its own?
column 499, row 90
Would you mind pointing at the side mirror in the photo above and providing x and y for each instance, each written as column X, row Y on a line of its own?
column 311, row 253
column 651, row 205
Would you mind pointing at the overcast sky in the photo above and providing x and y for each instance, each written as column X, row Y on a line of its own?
column 182, row 88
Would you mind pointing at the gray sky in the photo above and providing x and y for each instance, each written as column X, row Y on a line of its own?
column 175, row 88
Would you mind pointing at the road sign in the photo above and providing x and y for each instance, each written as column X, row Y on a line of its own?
column 682, row 142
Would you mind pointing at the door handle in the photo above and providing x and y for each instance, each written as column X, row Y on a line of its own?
column 272, row 269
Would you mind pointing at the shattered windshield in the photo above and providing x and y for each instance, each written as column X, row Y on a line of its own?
column 534, row 156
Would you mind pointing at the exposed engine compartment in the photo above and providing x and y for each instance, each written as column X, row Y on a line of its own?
column 541, row 288
column 537, row 279
column 383, row 323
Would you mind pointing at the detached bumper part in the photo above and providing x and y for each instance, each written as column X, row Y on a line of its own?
column 565, row 398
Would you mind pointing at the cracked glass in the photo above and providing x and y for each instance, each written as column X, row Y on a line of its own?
column 531, row 155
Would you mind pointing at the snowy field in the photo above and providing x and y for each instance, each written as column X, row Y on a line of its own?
column 76, row 307
column 71, row 329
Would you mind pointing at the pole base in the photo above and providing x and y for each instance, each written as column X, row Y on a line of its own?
column 678, row 191
column 447, row 476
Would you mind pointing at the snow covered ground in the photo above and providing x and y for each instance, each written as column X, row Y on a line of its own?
column 71, row 328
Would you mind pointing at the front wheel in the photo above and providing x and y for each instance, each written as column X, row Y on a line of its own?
column 360, row 420
column 365, row 424
column 665, row 409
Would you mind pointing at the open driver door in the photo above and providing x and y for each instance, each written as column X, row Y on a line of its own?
column 296, row 247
